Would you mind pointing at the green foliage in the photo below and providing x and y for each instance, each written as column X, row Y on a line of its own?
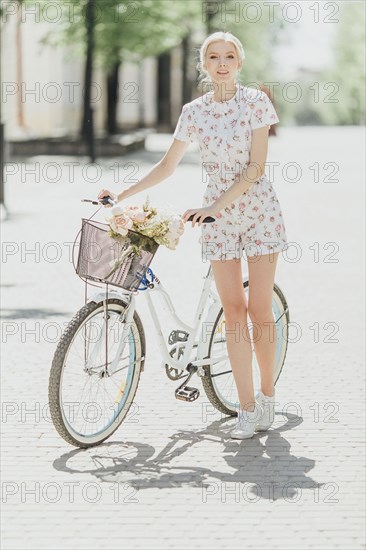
column 125, row 29
column 343, row 82
column 347, row 73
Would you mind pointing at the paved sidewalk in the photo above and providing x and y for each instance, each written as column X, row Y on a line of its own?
column 170, row 477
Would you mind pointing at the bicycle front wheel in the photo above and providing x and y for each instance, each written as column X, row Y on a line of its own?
column 87, row 401
column 218, row 382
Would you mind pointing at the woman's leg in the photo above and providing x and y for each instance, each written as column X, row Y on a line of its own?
column 229, row 284
column 262, row 270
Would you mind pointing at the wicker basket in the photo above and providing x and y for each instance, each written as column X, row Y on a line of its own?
column 115, row 261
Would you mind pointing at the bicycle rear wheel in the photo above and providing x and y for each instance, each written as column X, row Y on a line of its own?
column 218, row 382
column 87, row 402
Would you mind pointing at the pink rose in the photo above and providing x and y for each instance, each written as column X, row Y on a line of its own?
column 121, row 224
column 136, row 213
column 140, row 216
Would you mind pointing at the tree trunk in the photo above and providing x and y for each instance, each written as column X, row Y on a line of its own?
column 19, row 66
column 112, row 98
column 164, row 95
column 209, row 24
column 186, row 83
column 141, row 122
column 87, row 128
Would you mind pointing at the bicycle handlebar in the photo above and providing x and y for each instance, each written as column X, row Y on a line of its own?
column 104, row 200
column 109, row 200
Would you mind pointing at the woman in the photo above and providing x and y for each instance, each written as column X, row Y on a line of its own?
column 231, row 124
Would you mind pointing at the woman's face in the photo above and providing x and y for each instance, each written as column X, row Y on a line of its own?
column 222, row 62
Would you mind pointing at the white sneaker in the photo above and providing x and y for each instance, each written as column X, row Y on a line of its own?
column 246, row 423
column 268, row 405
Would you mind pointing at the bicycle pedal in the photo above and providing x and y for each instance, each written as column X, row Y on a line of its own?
column 187, row 393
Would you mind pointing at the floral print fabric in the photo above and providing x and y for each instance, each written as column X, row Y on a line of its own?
column 223, row 130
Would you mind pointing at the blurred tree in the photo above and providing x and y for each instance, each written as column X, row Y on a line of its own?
column 19, row 65
column 344, row 101
column 87, row 129
column 124, row 31
column 163, row 90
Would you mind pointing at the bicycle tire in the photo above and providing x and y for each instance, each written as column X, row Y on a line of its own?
column 207, row 382
column 57, row 366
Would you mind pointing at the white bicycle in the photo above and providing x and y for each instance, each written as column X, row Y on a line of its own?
column 101, row 354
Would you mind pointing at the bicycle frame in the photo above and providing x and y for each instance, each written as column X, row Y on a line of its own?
column 127, row 318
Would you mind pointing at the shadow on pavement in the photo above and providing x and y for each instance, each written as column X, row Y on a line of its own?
column 32, row 313
column 269, row 470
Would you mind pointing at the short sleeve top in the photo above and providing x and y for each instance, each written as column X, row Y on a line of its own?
column 223, row 130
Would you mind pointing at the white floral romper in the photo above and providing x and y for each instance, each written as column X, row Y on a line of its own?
column 253, row 222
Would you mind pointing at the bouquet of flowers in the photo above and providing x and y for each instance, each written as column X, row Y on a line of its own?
column 158, row 225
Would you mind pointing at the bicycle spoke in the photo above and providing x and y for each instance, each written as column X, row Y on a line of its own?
column 220, row 384
column 97, row 397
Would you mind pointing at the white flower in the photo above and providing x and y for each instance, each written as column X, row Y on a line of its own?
column 176, row 229
column 117, row 210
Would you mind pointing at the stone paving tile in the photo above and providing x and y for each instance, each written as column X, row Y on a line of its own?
column 170, row 477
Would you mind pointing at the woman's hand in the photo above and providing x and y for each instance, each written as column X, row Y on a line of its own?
column 106, row 193
column 199, row 214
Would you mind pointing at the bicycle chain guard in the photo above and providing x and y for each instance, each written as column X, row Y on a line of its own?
column 178, row 336
column 172, row 372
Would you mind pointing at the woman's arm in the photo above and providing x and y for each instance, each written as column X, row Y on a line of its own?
column 254, row 170
column 159, row 172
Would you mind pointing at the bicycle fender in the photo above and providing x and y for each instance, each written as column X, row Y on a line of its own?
column 102, row 295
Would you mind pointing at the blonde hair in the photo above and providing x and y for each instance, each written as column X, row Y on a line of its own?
column 204, row 78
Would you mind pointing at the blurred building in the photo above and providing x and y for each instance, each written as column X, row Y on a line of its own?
column 42, row 87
